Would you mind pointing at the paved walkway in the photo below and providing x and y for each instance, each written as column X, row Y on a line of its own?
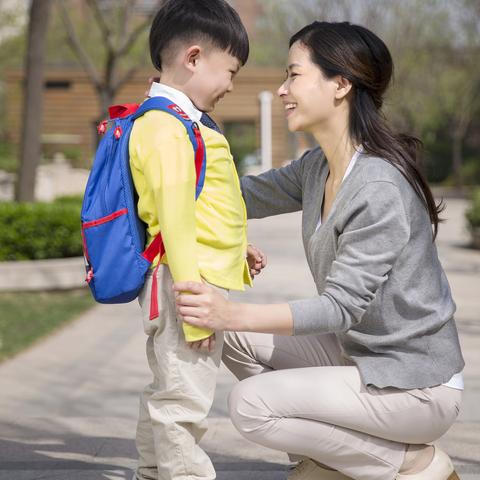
column 68, row 405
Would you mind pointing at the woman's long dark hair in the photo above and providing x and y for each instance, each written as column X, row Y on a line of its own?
column 358, row 55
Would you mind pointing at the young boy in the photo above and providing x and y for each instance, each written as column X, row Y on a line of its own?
column 198, row 46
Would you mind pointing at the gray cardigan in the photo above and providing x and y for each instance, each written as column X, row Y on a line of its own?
column 380, row 284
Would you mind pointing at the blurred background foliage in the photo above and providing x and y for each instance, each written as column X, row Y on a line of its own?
column 436, row 50
column 435, row 45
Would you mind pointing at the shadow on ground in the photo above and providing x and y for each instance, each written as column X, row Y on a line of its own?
column 41, row 455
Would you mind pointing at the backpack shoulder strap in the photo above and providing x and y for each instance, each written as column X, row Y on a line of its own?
column 166, row 105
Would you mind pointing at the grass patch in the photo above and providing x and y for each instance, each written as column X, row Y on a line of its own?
column 28, row 316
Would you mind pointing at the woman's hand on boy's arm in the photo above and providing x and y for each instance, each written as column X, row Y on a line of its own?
column 205, row 307
column 256, row 260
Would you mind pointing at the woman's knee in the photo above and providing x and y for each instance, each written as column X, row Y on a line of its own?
column 248, row 411
column 230, row 349
column 235, row 355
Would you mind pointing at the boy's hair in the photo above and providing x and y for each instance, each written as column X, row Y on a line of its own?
column 214, row 21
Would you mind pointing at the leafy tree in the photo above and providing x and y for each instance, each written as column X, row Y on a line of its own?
column 461, row 80
column 12, row 47
column 435, row 45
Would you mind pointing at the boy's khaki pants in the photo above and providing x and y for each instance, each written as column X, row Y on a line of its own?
column 302, row 396
column 173, row 408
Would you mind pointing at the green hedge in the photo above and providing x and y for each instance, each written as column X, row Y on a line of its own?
column 35, row 231
column 473, row 213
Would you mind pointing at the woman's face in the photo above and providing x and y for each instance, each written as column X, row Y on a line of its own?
column 309, row 97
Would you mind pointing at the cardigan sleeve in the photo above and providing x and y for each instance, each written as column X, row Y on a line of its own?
column 274, row 192
column 375, row 230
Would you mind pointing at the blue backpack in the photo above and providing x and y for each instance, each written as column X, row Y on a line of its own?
column 113, row 235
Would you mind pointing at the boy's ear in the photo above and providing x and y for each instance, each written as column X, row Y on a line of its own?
column 192, row 56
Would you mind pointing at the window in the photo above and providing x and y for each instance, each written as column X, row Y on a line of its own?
column 57, row 84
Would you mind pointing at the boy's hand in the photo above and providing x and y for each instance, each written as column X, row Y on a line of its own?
column 205, row 345
column 150, row 81
column 256, row 260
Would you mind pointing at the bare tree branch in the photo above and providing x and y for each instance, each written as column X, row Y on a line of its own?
column 132, row 38
column 125, row 15
column 77, row 47
column 102, row 23
column 122, row 80
column 107, row 82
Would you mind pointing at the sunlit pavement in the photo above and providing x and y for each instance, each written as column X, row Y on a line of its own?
column 68, row 405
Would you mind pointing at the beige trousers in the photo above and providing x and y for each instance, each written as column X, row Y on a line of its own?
column 173, row 408
column 310, row 402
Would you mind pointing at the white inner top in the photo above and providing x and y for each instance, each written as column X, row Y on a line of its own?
column 457, row 380
column 178, row 97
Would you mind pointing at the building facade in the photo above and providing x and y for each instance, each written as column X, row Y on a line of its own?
column 71, row 112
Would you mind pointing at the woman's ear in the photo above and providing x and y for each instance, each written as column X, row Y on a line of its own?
column 343, row 87
column 191, row 57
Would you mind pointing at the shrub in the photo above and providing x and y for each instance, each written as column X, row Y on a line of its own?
column 73, row 200
column 473, row 213
column 470, row 172
column 35, row 231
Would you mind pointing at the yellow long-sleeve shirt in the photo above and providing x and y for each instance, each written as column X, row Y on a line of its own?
column 204, row 238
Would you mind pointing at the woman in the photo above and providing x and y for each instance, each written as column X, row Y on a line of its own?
column 358, row 380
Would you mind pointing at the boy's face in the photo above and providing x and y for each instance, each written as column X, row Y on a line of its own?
column 213, row 77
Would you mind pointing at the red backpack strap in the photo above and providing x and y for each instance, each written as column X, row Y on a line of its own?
column 154, row 249
column 119, row 111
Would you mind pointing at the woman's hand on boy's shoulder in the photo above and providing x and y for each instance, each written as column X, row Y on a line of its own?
column 256, row 260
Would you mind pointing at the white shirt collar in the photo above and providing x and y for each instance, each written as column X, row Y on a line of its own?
column 178, row 97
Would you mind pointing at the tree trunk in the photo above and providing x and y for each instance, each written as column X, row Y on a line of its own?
column 457, row 157
column 106, row 100
column 30, row 148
